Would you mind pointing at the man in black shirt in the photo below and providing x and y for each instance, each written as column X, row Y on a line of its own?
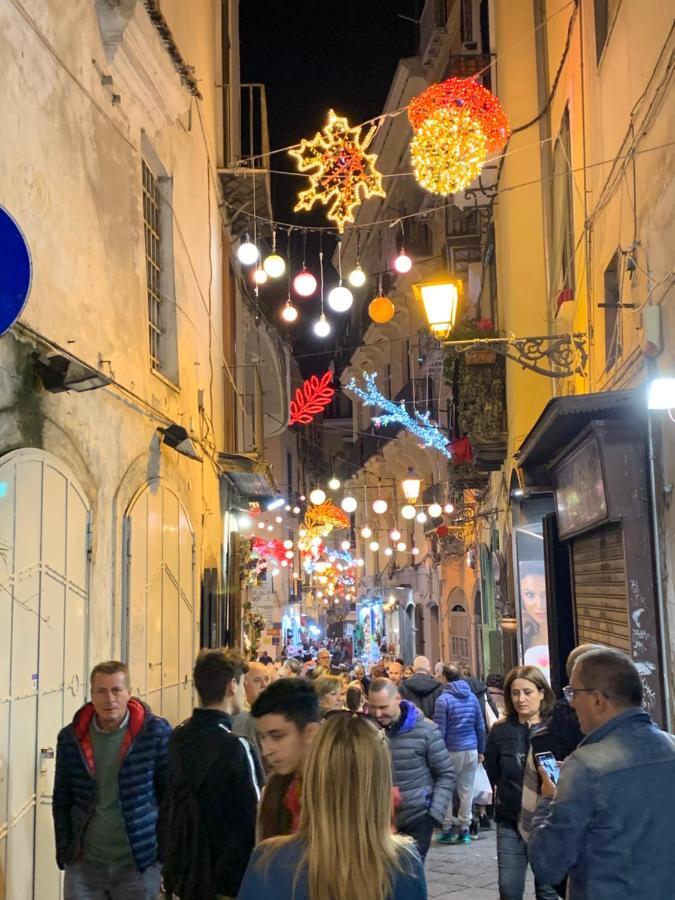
column 214, row 787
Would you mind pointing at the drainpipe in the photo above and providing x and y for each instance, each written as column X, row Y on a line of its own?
column 660, row 602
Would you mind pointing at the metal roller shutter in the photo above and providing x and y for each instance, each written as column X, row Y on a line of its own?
column 600, row 591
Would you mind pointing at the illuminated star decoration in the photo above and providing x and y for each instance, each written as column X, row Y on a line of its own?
column 420, row 426
column 341, row 172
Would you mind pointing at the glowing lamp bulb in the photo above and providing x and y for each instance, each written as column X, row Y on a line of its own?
column 395, row 535
column 244, row 522
column 334, row 484
column 288, row 554
column 275, row 572
column 357, row 277
column 284, row 563
column 400, row 546
column 317, row 496
column 261, row 524
column 421, row 517
column 435, row 510
column 345, row 545
column 380, row 506
column 388, row 551
column 304, row 283
column 247, row 253
column 415, row 551
column 349, row 504
column 322, row 326
column 274, row 265
column 340, row 299
column 403, row 263
column 289, row 313
column 366, row 532
column 408, row 511
column 288, row 544
column 270, row 527
column 260, row 276
column 448, row 508
column 360, row 563
column 296, row 510
column 374, row 546
column 278, row 519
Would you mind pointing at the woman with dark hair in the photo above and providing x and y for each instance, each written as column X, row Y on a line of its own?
column 345, row 817
column 528, row 701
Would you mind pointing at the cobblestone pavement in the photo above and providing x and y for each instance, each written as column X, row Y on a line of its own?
column 467, row 872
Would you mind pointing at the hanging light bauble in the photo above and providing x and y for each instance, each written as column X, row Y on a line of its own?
column 349, row 504
column 380, row 506
column 317, row 496
column 260, row 275
column 448, row 151
column 274, row 265
column 345, row 545
column 340, row 299
column 374, row 546
column 448, row 509
column 334, row 483
column 247, row 252
column 403, row 263
column 322, row 326
column 366, row 532
column 304, row 283
column 381, row 310
column 357, row 277
column 401, row 546
column 435, row 510
column 421, row 517
column 408, row 511
column 288, row 544
column 289, row 313
column 395, row 535
column 388, row 551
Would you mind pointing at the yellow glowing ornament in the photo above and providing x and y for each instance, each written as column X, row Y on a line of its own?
column 448, row 151
column 341, row 173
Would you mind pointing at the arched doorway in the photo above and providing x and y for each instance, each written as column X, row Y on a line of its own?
column 44, row 593
column 159, row 600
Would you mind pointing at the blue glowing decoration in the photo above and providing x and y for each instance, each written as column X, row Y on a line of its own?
column 430, row 435
column 15, row 271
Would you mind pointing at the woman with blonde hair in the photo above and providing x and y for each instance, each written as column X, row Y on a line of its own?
column 328, row 689
column 344, row 847
column 528, row 701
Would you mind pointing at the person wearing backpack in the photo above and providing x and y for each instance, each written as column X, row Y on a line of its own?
column 214, row 783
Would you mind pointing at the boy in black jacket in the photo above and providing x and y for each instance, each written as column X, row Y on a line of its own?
column 214, row 787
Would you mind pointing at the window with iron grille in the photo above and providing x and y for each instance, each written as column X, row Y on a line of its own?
column 153, row 262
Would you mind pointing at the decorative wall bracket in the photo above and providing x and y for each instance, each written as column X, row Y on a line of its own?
column 556, row 356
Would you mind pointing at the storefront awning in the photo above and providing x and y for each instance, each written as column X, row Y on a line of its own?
column 249, row 474
column 565, row 417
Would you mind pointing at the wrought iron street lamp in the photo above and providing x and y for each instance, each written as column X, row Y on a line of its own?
column 440, row 298
column 411, row 485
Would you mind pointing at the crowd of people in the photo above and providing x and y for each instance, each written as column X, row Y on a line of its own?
column 300, row 780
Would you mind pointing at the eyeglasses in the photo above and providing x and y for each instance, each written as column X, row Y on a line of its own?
column 570, row 692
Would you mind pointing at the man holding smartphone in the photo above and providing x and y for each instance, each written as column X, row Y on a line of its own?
column 608, row 823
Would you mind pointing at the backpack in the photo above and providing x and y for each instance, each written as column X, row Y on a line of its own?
column 187, row 870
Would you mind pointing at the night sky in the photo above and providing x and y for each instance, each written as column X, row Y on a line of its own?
column 312, row 56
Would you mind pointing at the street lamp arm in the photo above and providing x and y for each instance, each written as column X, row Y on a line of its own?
column 564, row 354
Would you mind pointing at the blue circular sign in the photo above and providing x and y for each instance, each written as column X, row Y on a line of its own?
column 15, row 271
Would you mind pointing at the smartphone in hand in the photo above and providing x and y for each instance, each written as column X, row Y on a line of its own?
column 548, row 762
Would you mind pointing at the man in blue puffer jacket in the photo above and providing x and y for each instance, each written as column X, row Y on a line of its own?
column 460, row 721
column 111, row 766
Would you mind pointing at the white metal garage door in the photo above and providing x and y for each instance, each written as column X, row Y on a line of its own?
column 44, row 540
column 160, row 608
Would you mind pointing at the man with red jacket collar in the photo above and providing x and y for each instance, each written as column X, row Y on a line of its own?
column 110, row 781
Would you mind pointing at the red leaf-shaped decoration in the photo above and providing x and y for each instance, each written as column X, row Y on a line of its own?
column 315, row 396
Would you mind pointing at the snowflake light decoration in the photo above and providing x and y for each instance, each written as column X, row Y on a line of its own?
column 430, row 435
column 340, row 171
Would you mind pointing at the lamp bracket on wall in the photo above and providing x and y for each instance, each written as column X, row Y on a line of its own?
column 556, row 356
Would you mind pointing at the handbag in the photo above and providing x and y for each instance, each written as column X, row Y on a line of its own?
column 482, row 789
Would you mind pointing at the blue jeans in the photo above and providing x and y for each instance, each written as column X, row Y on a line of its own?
column 92, row 881
column 512, row 865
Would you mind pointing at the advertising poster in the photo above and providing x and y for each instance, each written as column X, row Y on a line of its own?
column 532, row 607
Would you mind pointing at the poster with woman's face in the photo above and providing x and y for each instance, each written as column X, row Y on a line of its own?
column 532, row 600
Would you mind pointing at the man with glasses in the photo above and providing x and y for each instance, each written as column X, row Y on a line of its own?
column 608, row 823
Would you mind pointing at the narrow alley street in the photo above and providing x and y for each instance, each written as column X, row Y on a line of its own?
column 466, row 872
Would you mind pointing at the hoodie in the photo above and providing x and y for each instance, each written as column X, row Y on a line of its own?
column 422, row 690
column 460, row 718
column 479, row 688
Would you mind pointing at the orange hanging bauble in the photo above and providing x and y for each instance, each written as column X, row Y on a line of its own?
column 381, row 310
